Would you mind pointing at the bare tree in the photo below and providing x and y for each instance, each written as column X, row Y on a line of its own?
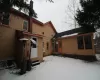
column 71, row 10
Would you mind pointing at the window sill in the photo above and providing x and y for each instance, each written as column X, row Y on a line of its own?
column 25, row 30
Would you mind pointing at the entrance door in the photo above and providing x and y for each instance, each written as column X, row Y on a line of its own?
column 34, row 53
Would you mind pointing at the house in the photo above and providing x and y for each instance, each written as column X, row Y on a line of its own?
column 11, row 34
column 25, row 37
column 72, row 43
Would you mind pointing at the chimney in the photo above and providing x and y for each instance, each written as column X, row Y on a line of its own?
column 31, row 7
column 31, row 4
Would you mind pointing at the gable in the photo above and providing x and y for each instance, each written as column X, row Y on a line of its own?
column 48, row 31
column 51, row 25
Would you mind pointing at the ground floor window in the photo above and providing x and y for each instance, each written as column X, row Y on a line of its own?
column 84, row 42
column 60, row 44
column 47, row 45
column 80, row 42
column 43, row 44
column 88, row 42
column 33, row 44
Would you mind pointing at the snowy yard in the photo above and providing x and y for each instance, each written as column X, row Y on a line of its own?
column 58, row 68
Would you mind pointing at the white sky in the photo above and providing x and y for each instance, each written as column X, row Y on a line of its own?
column 54, row 12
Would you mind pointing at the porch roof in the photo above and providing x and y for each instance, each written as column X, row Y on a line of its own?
column 76, row 35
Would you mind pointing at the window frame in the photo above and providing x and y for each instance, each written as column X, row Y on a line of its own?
column 79, row 43
column 89, row 45
column 47, row 45
column 60, row 44
column 5, row 18
column 23, row 25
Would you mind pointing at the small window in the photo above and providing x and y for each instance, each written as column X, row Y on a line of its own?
column 25, row 25
column 34, row 45
column 60, row 44
column 88, row 42
column 80, row 42
column 47, row 45
column 43, row 44
column 43, row 33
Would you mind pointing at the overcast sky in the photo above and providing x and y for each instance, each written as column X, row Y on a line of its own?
column 54, row 12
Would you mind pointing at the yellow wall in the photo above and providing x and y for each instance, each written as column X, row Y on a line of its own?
column 40, row 52
column 7, row 36
column 48, row 32
column 16, row 22
column 37, row 29
column 7, row 42
column 70, row 46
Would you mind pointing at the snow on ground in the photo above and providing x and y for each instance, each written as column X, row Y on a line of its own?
column 58, row 68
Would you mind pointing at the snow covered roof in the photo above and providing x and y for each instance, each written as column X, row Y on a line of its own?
column 70, row 35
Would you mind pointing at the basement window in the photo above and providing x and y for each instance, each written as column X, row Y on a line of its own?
column 80, row 42
column 88, row 42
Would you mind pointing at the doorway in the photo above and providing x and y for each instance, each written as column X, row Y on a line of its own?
column 34, row 52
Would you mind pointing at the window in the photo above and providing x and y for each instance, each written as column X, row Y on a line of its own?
column 34, row 44
column 4, row 18
column 25, row 25
column 47, row 45
column 88, row 42
column 43, row 44
column 60, row 44
column 80, row 42
column 43, row 33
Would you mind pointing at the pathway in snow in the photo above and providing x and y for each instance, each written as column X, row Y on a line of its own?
column 58, row 68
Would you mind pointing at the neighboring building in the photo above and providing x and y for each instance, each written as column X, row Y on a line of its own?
column 73, row 43
column 82, row 44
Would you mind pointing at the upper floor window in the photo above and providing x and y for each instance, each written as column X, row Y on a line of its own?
column 4, row 18
column 88, row 42
column 80, row 42
column 25, row 25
